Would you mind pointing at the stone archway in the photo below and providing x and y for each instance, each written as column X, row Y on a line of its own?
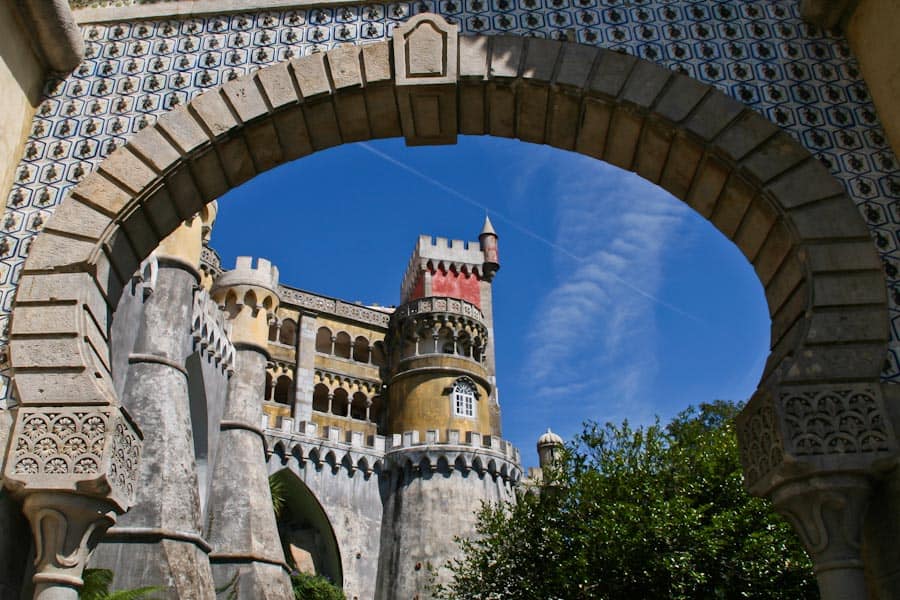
column 812, row 436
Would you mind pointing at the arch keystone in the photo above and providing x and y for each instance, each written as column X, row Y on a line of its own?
column 426, row 50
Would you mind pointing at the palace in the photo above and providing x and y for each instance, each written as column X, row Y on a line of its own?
column 381, row 425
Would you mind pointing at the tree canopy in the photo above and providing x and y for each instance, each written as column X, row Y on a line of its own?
column 646, row 512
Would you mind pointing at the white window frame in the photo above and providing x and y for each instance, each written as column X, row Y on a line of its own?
column 463, row 397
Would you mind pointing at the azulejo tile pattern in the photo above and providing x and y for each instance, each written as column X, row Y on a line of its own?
column 759, row 52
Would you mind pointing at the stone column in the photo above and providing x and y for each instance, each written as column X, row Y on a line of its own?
column 827, row 513
column 306, row 367
column 159, row 541
column 247, row 556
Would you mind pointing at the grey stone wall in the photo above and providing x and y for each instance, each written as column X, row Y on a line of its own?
column 425, row 510
column 353, row 503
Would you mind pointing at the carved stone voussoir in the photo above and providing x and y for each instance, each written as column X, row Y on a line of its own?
column 798, row 430
column 94, row 451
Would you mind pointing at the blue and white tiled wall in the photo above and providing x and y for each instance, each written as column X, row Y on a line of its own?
column 761, row 53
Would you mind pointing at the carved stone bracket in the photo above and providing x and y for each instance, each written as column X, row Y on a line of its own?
column 795, row 431
column 426, row 63
column 93, row 451
column 66, row 529
column 827, row 513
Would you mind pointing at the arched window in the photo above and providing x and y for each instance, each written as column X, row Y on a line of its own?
column 288, row 334
column 378, row 354
column 339, row 402
column 268, row 392
column 283, row 390
column 320, row 398
column 361, row 350
column 358, row 406
column 323, row 340
column 445, row 344
column 375, row 410
column 342, row 345
column 273, row 332
column 463, row 398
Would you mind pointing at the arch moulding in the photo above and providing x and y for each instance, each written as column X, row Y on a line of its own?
column 817, row 428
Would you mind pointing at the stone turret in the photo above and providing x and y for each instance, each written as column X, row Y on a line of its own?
column 249, row 295
column 489, row 247
column 241, row 527
column 549, row 448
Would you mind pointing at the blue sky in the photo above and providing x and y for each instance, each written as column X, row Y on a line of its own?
column 614, row 300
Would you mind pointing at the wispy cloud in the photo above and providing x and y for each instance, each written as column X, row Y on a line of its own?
column 593, row 346
column 594, row 343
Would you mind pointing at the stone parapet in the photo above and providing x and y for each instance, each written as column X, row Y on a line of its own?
column 449, row 306
column 379, row 316
column 353, row 450
column 210, row 332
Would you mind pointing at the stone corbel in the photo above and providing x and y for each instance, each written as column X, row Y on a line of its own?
column 66, row 529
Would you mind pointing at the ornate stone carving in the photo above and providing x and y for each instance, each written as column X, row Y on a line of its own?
column 758, row 438
column 794, row 431
column 827, row 513
column 333, row 307
column 66, row 528
column 96, row 451
column 827, row 420
column 440, row 305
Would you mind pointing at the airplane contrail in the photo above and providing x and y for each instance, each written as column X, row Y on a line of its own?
column 521, row 228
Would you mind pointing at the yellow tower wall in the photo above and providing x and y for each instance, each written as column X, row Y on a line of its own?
column 419, row 397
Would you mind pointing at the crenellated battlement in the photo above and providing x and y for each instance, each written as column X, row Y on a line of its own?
column 247, row 275
column 353, row 450
column 440, row 253
column 210, row 331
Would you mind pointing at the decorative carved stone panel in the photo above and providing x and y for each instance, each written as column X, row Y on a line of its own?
column 793, row 430
column 96, row 451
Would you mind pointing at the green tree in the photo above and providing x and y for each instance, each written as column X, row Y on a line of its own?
column 96, row 587
column 648, row 512
column 315, row 587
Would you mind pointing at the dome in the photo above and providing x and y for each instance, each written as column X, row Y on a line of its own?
column 550, row 439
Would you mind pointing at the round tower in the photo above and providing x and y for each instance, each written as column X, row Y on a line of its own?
column 445, row 456
column 438, row 379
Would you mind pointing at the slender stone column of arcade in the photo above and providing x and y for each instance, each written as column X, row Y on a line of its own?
column 247, row 554
column 159, row 542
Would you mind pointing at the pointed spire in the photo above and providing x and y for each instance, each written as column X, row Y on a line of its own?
column 488, row 227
